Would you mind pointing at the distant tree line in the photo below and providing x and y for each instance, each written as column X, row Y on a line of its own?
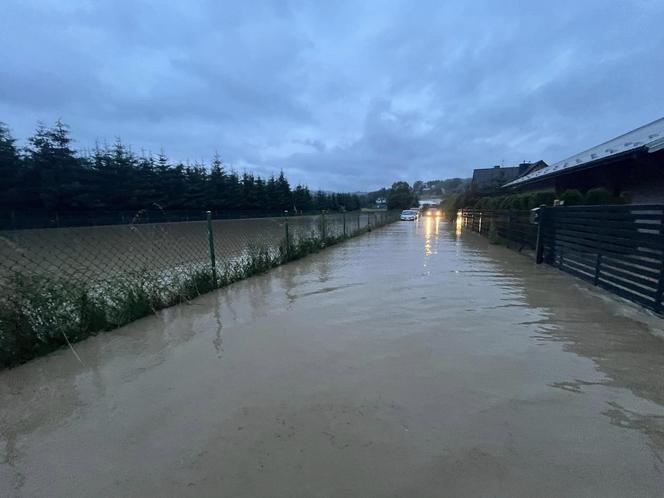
column 402, row 196
column 399, row 196
column 49, row 175
column 441, row 187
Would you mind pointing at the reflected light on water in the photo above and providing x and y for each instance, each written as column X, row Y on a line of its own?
column 457, row 225
column 431, row 233
column 428, row 228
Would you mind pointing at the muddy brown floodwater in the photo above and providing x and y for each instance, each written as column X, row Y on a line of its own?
column 409, row 362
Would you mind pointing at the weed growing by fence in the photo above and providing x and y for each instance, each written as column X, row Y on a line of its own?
column 41, row 311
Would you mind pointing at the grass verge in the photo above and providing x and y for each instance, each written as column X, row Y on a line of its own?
column 42, row 313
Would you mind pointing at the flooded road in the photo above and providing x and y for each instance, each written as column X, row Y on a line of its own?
column 412, row 361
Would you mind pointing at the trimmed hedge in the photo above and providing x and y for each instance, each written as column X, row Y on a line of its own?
column 523, row 202
column 598, row 196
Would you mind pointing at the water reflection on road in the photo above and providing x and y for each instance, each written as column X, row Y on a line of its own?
column 414, row 361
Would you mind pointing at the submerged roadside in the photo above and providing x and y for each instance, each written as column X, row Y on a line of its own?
column 100, row 282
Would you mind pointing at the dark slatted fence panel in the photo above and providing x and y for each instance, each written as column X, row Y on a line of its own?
column 511, row 226
column 619, row 248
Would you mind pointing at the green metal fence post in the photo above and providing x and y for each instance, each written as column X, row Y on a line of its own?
column 287, row 236
column 359, row 218
column 213, row 262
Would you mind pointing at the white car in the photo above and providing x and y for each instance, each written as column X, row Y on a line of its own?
column 409, row 215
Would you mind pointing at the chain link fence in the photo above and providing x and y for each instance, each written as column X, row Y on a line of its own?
column 60, row 285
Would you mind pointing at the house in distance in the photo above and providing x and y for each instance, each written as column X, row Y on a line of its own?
column 380, row 203
column 487, row 180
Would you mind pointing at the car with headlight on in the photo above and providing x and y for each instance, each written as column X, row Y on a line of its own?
column 432, row 211
column 409, row 215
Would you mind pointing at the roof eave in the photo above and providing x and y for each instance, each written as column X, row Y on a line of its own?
column 656, row 146
column 587, row 165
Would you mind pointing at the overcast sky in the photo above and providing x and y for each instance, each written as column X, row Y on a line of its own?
column 341, row 95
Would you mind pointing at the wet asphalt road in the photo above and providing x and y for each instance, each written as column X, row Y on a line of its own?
column 411, row 362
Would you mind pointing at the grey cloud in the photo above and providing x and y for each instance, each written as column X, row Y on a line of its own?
column 341, row 95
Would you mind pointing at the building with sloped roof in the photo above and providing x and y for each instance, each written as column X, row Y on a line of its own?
column 490, row 179
column 631, row 164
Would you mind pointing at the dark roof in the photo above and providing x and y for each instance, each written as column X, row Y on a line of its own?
column 493, row 177
column 528, row 168
column 497, row 176
column 649, row 138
